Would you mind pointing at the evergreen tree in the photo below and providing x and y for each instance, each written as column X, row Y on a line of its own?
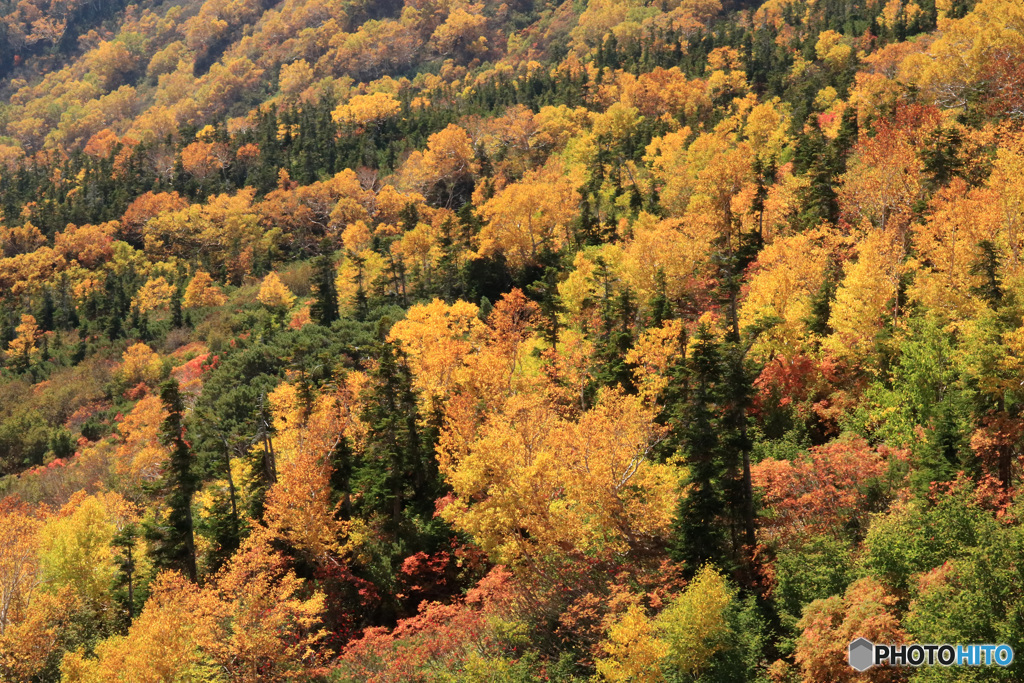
column 694, row 405
column 545, row 291
column 617, row 312
column 173, row 542
column 661, row 307
column 394, row 470
column 127, row 591
column 324, row 309
column 177, row 319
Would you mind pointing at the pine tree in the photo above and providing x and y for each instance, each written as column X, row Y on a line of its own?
column 126, row 588
column 324, row 309
column 617, row 312
column 177, row 320
column 694, row 403
column 393, row 471
column 172, row 538
column 545, row 291
column 660, row 305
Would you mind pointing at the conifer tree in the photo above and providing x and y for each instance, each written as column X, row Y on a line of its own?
column 126, row 589
column 393, row 471
column 694, row 403
column 173, row 537
column 324, row 309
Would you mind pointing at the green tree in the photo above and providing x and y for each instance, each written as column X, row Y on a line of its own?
column 172, row 537
column 324, row 309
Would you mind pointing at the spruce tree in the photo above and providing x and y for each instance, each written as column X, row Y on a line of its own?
column 126, row 588
column 324, row 309
column 392, row 472
column 173, row 543
column 694, row 405
column 177, row 319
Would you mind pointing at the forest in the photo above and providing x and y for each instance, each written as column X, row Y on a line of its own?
column 500, row 341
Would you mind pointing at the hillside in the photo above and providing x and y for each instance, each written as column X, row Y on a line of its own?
column 564, row 340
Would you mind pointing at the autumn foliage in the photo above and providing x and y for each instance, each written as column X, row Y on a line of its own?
column 470, row 340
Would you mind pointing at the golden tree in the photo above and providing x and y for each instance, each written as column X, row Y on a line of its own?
column 202, row 291
column 274, row 293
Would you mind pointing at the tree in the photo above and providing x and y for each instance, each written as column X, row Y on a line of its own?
column 530, row 216
column 828, row 626
column 19, row 562
column 77, row 548
column 23, row 346
column 632, row 650
column 89, row 245
column 868, row 295
column 694, row 625
column 324, row 309
column 155, row 294
column 139, row 363
column 694, row 406
column 126, row 545
column 461, row 35
column 202, row 159
column 202, row 291
column 884, row 179
column 141, row 457
column 395, row 471
column 301, row 507
column 445, row 169
column 172, row 532
column 829, row 491
column 266, row 619
column 365, row 111
column 436, row 338
column 274, row 293
column 557, row 487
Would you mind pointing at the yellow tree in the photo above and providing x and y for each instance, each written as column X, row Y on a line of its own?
column 529, row 216
column 788, row 274
column 31, row 618
column 947, row 249
column 265, row 630
column 651, row 357
column 700, row 180
column 140, row 457
column 1007, row 183
column 202, row 291
column 24, row 343
column 462, row 33
column 139, row 363
column 19, row 561
column 447, row 161
column 367, row 110
column 161, row 645
column 77, row 551
column 571, row 485
column 299, row 507
column 274, row 293
column 680, row 249
column 868, row 294
column 155, row 294
column 633, row 652
column 694, row 625
column 436, row 338
column 249, row 623
column 683, row 638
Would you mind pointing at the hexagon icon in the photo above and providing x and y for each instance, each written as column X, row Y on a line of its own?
column 862, row 654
